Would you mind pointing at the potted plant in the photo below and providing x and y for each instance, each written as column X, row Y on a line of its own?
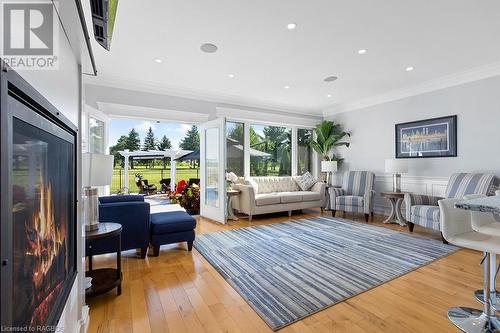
column 328, row 136
column 188, row 198
column 231, row 179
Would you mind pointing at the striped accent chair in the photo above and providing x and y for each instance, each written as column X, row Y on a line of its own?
column 356, row 194
column 423, row 210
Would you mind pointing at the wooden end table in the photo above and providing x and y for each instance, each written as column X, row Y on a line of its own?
column 231, row 196
column 396, row 199
column 105, row 279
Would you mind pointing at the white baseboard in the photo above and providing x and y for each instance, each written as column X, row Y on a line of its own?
column 84, row 322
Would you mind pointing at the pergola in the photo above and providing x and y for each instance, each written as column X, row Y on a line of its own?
column 172, row 153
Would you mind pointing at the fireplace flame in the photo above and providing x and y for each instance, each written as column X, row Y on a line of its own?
column 45, row 238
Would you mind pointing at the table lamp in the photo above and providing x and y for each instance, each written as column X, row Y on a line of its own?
column 97, row 170
column 396, row 167
column 329, row 167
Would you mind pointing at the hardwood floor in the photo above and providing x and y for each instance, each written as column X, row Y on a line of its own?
column 180, row 291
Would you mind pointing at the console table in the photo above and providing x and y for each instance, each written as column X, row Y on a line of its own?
column 105, row 279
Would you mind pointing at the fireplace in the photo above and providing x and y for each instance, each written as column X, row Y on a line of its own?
column 38, row 207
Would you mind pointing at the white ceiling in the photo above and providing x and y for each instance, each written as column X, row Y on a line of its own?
column 436, row 37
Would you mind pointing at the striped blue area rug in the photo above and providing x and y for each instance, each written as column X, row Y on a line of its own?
column 290, row 270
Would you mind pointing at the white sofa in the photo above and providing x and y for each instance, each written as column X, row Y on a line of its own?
column 262, row 195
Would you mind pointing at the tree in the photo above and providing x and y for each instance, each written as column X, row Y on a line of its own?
column 192, row 139
column 164, row 145
column 274, row 138
column 149, row 140
column 121, row 144
column 133, row 140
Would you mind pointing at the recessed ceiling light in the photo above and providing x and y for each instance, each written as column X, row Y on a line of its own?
column 231, row 75
column 362, row 51
column 209, row 48
column 330, row 78
column 409, row 68
column 291, row 26
column 158, row 60
column 286, row 87
column 329, row 95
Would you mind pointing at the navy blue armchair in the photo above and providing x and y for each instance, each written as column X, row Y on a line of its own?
column 133, row 214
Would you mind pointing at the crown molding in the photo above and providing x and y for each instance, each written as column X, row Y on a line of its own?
column 114, row 110
column 471, row 75
column 207, row 96
column 276, row 119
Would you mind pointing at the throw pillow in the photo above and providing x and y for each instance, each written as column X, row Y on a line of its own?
column 306, row 181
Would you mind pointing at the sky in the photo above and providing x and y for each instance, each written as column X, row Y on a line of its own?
column 174, row 131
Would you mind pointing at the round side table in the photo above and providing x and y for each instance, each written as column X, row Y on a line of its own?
column 104, row 279
column 231, row 196
column 396, row 199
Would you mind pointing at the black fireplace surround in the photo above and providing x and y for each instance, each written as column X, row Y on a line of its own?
column 38, row 207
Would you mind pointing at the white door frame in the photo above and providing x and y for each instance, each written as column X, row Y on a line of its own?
column 218, row 213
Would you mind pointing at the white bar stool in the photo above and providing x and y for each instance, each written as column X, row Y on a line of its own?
column 485, row 223
column 456, row 227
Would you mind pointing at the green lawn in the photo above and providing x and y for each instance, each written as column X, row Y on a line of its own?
column 153, row 175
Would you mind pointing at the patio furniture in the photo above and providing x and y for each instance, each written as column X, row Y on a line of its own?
column 264, row 195
column 356, row 194
column 133, row 214
column 165, row 185
column 145, row 187
column 192, row 181
column 423, row 210
column 171, row 227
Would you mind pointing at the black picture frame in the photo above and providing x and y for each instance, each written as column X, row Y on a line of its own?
column 436, row 137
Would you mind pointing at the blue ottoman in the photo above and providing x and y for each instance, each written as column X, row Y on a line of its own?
column 171, row 227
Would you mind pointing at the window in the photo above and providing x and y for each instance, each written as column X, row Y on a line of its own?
column 270, row 151
column 235, row 161
column 96, row 136
column 304, row 151
column 212, row 165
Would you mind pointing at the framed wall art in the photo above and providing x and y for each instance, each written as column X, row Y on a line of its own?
column 436, row 137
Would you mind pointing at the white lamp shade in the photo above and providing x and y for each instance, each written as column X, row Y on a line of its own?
column 97, row 169
column 328, row 166
column 396, row 166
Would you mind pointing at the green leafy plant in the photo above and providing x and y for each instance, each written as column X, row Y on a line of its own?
column 329, row 135
column 188, row 198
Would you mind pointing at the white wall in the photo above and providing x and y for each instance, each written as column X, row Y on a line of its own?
column 62, row 88
column 477, row 106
